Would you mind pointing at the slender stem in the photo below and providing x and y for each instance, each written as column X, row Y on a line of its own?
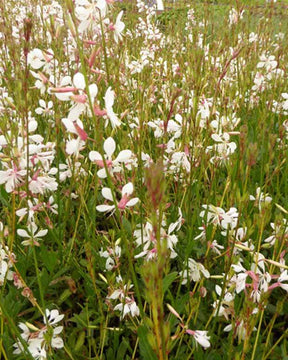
column 104, row 47
column 1, row 339
column 38, row 279
column 257, row 336
column 68, row 352
column 75, row 233
column 103, row 339
column 276, row 343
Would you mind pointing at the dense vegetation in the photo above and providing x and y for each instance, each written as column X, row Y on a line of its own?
column 143, row 180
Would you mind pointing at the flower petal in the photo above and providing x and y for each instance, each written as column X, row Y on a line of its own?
column 132, row 202
column 57, row 343
column 79, row 81
column 75, row 111
column 95, row 156
column 93, row 90
column 68, row 123
column 109, row 98
column 127, row 189
column 102, row 173
column 107, row 193
column 124, row 155
column 104, row 208
column 41, row 233
column 109, row 146
column 23, row 233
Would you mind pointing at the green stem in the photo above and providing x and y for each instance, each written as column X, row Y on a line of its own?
column 68, row 352
column 276, row 343
column 38, row 280
column 104, row 48
column 257, row 336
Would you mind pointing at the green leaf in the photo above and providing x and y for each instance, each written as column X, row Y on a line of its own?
column 122, row 350
column 127, row 226
column 80, row 341
column 45, row 279
column 214, row 356
column 49, row 258
column 64, row 296
column 110, row 354
column 145, row 349
column 168, row 280
column 4, row 197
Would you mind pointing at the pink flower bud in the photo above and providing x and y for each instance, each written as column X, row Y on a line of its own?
column 122, row 203
column 79, row 98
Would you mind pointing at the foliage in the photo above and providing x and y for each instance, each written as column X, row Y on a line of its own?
column 143, row 180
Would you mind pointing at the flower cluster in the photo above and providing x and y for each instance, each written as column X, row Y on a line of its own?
column 40, row 340
column 138, row 146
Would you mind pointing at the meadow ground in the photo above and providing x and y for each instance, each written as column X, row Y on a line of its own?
column 143, row 180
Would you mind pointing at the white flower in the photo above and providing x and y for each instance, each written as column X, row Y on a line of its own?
column 5, row 264
column 76, row 94
column 50, row 205
column 213, row 214
column 283, row 277
column 216, row 247
column 12, row 177
column 241, row 282
column 36, row 59
column 73, row 126
column 109, row 101
column 284, row 104
column 113, row 165
column 109, row 254
column 223, row 147
column 235, row 16
column 53, row 317
column 172, row 126
column 229, row 220
column 119, row 26
column 41, row 81
column 194, row 272
column 129, row 307
column 144, row 236
column 179, row 161
column 74, row 146
column 25, row 336
column 240, row 329
column 218, row 216
column 177, row 225
column 204, row 110
column 127, row 304
column 261, row 198
column 29, row 210
column 40, row 340
column 43, row 183
column 259, row 82
column 240, row 233
column 56, row 341
column 125, row 201
column 90, row 12
column 226, row 305
column 160, row 5
column 268, row 62
column 44, row 109
column 279, row 283
column 32, row 236
column 201, row 337
column 37, row 351
column 253, row 37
